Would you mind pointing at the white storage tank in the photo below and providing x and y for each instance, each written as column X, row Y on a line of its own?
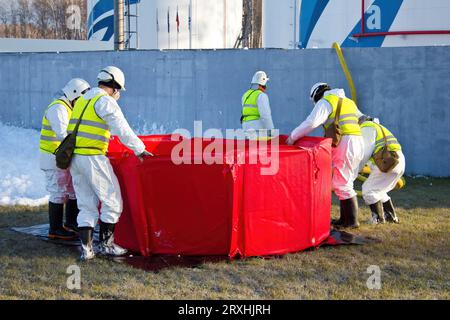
column 280, row 23
column 213, row 24
column 320, row 23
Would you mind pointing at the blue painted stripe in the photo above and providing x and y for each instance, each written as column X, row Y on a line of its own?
column 108, row 23
column 99, row 9
column 389, row 10
column 310, row 12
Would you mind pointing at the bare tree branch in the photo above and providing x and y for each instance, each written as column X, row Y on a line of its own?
column 44, row 19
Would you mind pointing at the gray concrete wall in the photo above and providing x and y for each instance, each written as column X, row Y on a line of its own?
column 407, row 88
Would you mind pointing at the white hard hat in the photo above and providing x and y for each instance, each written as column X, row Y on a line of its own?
column 318, row 88
column 260, row 77
column 75, row 88
column 112, row 73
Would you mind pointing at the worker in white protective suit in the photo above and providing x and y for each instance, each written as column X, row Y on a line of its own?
column 375, row 189
column 348, row 154
column 59, row 182
column 93, row 177
column 256, row 118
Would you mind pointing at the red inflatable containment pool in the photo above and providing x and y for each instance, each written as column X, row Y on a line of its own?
column 225, row 208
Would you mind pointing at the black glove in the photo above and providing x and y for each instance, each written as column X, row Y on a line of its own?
column 145, row 154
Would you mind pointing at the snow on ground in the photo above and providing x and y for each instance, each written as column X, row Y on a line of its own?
column 21, row 180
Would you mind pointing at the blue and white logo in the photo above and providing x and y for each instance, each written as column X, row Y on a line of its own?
column 101, row 19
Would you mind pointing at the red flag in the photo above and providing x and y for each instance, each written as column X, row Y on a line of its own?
column 178, row 21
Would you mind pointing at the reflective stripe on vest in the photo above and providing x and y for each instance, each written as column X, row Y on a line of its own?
column 48, row 142
column 250, row 110
column 93, row 133
column 392, row 142
column 348, row 119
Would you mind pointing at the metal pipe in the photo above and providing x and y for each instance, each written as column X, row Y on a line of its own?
column 363, row 22
column 400, row 33
column 137, row 26
column 190, row 24
column 119, row 25
column 294, row 45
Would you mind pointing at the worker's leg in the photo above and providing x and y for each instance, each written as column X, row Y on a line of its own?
column 346, row 160
column 107, row 189
column 388, row 206
column 378, row 184
column 67, row 193
column 56, row 186
column 106, row 186
column 81, row 169
column 71, row 205
column 375, row 189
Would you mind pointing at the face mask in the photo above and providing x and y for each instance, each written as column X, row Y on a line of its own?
column 116, row 95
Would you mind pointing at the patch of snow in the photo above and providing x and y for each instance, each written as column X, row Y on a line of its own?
column 21, row 180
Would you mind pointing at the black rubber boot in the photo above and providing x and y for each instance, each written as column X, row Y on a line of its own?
column 352, row 216
column 106, row 231
column 342, row 218
column 55, row 217
column 377, row 212
column 87, row 248
column 349, row 214
column 106, row 237
column 342, row 221
column 71, row 215
column 389, row 212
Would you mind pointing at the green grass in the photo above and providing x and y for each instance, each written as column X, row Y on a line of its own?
column 414, row 258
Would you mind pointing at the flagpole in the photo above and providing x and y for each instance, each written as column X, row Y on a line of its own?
column 224, row 24
column 157, row 29
column 190, row 24
column 178, row 28
column 168, row 24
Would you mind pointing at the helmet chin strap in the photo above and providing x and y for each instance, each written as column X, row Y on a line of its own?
column 320, row 92
column 112, row 76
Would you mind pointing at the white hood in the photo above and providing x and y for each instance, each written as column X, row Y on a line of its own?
column 337, row 92
column 93, row 92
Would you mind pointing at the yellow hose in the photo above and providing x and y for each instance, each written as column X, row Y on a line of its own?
column 365, row 170
column 337, row 47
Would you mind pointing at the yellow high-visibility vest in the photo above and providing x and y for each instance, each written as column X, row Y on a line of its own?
column 250, row 110
column 48, row 142
column 392, row 142
column 93, row 134
column 348, row 119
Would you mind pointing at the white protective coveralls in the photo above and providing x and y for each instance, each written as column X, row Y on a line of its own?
column 265, row 121
column 378, row 184
column 58, row 181
column 93, row 177
column 346, row 157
